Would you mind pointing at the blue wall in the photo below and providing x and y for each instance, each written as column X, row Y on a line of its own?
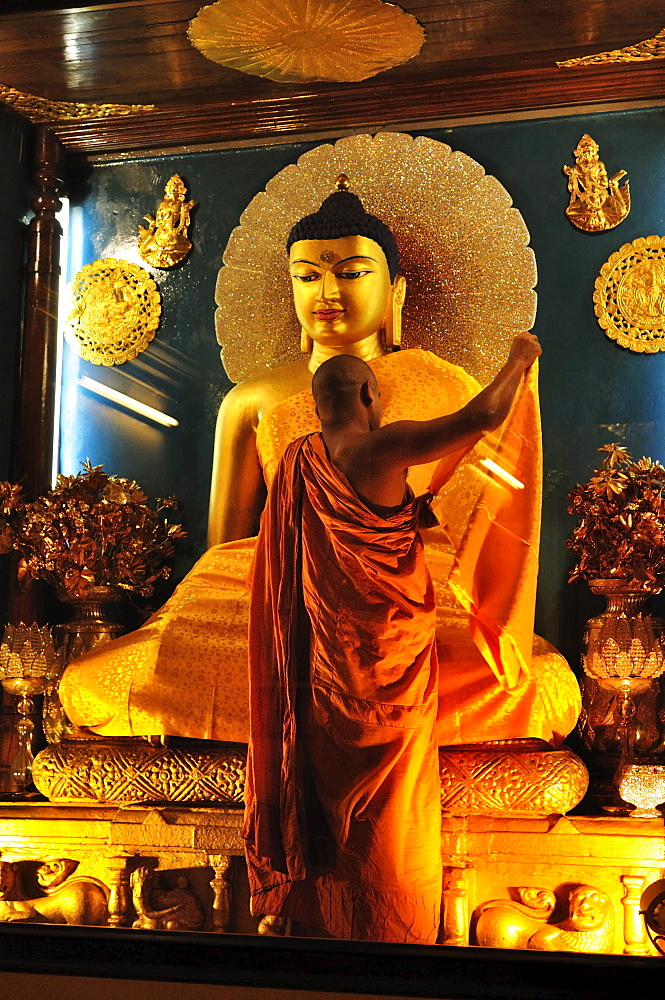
column 592, row 391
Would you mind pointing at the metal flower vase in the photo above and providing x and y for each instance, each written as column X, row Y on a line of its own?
column 93, row 624
column 622, row 723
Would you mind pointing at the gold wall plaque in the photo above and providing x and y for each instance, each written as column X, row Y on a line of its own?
column 40, row 110
column 115, row 313
column 629, row 295
column 163, row 242
column 295, row 40
column 596, row 201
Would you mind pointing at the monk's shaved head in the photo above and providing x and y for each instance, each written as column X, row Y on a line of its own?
column 337, row 382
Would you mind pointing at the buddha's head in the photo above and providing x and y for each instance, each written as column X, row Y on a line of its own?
column 344, row 269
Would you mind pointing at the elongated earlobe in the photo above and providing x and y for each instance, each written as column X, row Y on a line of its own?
column 391, row 332
column 305, row 342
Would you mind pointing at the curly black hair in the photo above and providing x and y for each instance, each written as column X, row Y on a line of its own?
column 342, row 214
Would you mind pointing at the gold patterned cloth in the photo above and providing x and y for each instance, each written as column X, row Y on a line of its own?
column 184, row 673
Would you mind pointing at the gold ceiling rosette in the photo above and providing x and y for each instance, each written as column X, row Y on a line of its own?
column 300, row 40
column 463, row 249
column 629, row 295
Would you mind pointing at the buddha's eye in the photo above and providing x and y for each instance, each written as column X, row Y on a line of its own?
column 352, row 274
column 306, row 277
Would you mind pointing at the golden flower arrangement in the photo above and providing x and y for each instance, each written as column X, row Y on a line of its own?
column 91, row 530
column 621, row 530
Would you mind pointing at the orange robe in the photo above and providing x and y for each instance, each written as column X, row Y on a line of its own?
column 184, row 673
column 343, row 817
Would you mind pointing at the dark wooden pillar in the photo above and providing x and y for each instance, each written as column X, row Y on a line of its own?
column 33, row 447
column 33, row 456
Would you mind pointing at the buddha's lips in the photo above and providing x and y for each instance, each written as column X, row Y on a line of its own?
column 328, row 313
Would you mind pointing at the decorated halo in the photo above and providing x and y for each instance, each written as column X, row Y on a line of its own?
column 463, row 250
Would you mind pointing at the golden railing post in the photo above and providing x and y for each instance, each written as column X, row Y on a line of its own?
column 634, row 932
column 455, row 908
column 120, row 890
column 221, row 887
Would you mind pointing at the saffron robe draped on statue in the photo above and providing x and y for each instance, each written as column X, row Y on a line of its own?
column 343, row 815
column 184, row 673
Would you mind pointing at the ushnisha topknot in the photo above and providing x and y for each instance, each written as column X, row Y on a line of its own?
column 342, row 214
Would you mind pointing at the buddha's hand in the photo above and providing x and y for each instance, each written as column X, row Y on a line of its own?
column 524, row 350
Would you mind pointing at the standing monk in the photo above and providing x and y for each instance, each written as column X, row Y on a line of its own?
column 343, row 811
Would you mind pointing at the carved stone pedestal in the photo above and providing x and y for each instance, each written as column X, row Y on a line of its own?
column 557, row 884
column 510, row 778
column 162, row 868
column 131, row 770
column 517, row 874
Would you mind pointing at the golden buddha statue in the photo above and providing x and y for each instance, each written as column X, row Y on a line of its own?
column 184, row 673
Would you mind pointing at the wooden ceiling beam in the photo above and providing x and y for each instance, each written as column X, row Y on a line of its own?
column 368, row 106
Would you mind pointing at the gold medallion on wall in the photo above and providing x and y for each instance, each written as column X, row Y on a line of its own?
column 629, row 295
column 115, row 313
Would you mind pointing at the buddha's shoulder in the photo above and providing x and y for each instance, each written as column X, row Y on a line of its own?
column 415, row 362
column 263, row 390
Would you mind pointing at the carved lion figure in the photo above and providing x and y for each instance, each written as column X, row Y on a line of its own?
column 589, row 926
column 8, row 880
column 66, row 900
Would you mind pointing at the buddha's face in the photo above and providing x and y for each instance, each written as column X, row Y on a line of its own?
column 341, row 289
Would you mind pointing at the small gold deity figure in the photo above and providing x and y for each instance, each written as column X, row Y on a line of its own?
column 596, row 201
column 164, row 242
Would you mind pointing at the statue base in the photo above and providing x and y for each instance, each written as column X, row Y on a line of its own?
column 181, row 867
column 129, row 769
column 504, row 777
column 517, row 873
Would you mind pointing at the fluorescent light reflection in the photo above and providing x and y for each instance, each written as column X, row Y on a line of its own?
column 63, row 218
column 501, row 473
column 128, row 402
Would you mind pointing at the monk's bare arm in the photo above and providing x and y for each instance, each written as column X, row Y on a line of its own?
column 375, row 463
column 414, row 442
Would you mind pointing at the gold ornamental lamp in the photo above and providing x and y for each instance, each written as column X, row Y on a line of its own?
column 619, row 543
column 29, row 663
